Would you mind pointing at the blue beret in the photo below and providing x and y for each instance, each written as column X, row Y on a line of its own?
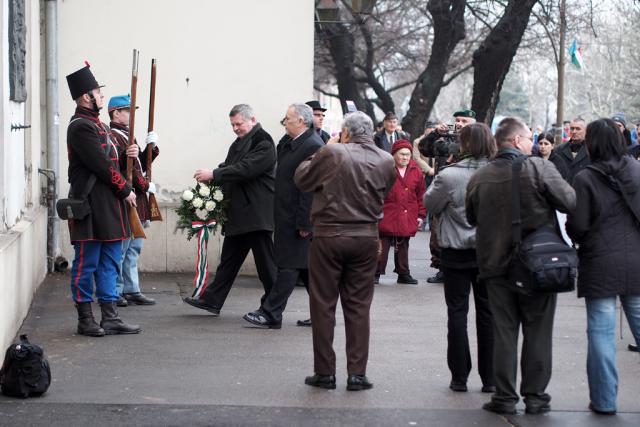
column 119, row 102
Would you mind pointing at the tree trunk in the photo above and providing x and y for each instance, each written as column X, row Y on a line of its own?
column 341, row 47
column 384, row 101
column 448, row 30
column 492, row 60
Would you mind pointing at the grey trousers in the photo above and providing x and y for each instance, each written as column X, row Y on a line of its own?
column 534, row 313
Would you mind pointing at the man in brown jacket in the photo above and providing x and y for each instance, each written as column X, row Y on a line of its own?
column 488, row 207
column 349, row 182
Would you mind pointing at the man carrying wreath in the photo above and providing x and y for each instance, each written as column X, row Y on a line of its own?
column 247, row 177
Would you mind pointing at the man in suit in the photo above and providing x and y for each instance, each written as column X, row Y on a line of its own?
column 291, row 214
column 247, row 177
column 389, row 133
column 318, row 119
column 571, row 157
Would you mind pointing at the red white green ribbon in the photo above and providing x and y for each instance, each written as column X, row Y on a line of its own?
column 202, row 265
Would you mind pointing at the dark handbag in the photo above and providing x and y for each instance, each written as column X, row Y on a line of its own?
column 76, row 208
column 541, row 262
column 25, row 370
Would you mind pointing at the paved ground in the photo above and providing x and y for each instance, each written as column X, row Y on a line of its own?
column 189, row 368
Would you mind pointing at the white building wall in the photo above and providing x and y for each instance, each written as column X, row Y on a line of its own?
column 211, row 55
column 23, row 229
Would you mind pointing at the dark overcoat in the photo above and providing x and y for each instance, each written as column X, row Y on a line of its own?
column 247, row 177
column 91, row 151
column 292, row 210
column 606, row 230
column 566, row 163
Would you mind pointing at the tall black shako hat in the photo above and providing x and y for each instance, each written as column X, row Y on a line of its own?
column 81, row 82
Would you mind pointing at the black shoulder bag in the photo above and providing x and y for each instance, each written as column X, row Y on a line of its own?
column 541, row 262
column 77, row 206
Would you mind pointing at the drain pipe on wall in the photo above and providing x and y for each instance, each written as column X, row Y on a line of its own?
column 55, row 261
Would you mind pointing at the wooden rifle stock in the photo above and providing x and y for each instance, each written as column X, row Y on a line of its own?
column 154, row 210
column 134, row 220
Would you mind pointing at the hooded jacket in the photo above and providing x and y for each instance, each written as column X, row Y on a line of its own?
column 606, row 229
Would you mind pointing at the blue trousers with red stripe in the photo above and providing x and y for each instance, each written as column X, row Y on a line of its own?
column 95, row 262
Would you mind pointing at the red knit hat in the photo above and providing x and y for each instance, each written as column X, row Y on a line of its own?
column 399, row 145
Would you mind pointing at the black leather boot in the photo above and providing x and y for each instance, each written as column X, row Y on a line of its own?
column 86, row 323
column 112, row 323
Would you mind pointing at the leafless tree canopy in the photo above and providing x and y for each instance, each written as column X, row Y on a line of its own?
column 397, row 56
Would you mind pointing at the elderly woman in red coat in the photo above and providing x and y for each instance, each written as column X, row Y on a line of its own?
column 403, row 211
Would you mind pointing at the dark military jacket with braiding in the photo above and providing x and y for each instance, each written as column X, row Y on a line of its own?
column 91, row 152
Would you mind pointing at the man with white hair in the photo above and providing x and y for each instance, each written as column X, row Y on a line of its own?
column 291, row 214
column 247, row 177
column 349, row 182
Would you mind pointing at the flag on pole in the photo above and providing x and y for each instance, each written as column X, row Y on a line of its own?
column 576, row 55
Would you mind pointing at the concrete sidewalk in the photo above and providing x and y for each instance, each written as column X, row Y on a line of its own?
column 189, row 368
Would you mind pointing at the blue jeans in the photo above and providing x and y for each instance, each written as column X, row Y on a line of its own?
column 601, row 354
column 95, row 262
column 128, row 282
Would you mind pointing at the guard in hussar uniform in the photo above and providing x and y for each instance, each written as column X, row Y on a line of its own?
column 97, row 238
column 128, row 284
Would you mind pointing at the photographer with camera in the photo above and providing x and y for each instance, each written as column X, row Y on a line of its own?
column 442, row 145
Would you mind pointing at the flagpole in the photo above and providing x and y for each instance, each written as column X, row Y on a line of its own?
column 560, row 64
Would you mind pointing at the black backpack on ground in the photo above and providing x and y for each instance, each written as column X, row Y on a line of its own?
column 25, row 371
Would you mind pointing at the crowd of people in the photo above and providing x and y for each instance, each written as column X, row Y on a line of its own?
column 325, row 212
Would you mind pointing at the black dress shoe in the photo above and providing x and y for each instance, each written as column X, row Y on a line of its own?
column 138, row 299
column 376, row 280
column 438, row 278
column 306, row 322
column 358, row 382
column 488, row 389
column 632, row 347
column 599, row 412
column 203, row 305
column 537, row 409
column 122, row 302
column 458, row 386
column 322, row 381
column 406, row 279
column 260, row 320
column 499, row 409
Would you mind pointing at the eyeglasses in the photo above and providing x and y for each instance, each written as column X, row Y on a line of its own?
column 285, row 120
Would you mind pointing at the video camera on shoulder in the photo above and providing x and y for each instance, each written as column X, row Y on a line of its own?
column 438, row 143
